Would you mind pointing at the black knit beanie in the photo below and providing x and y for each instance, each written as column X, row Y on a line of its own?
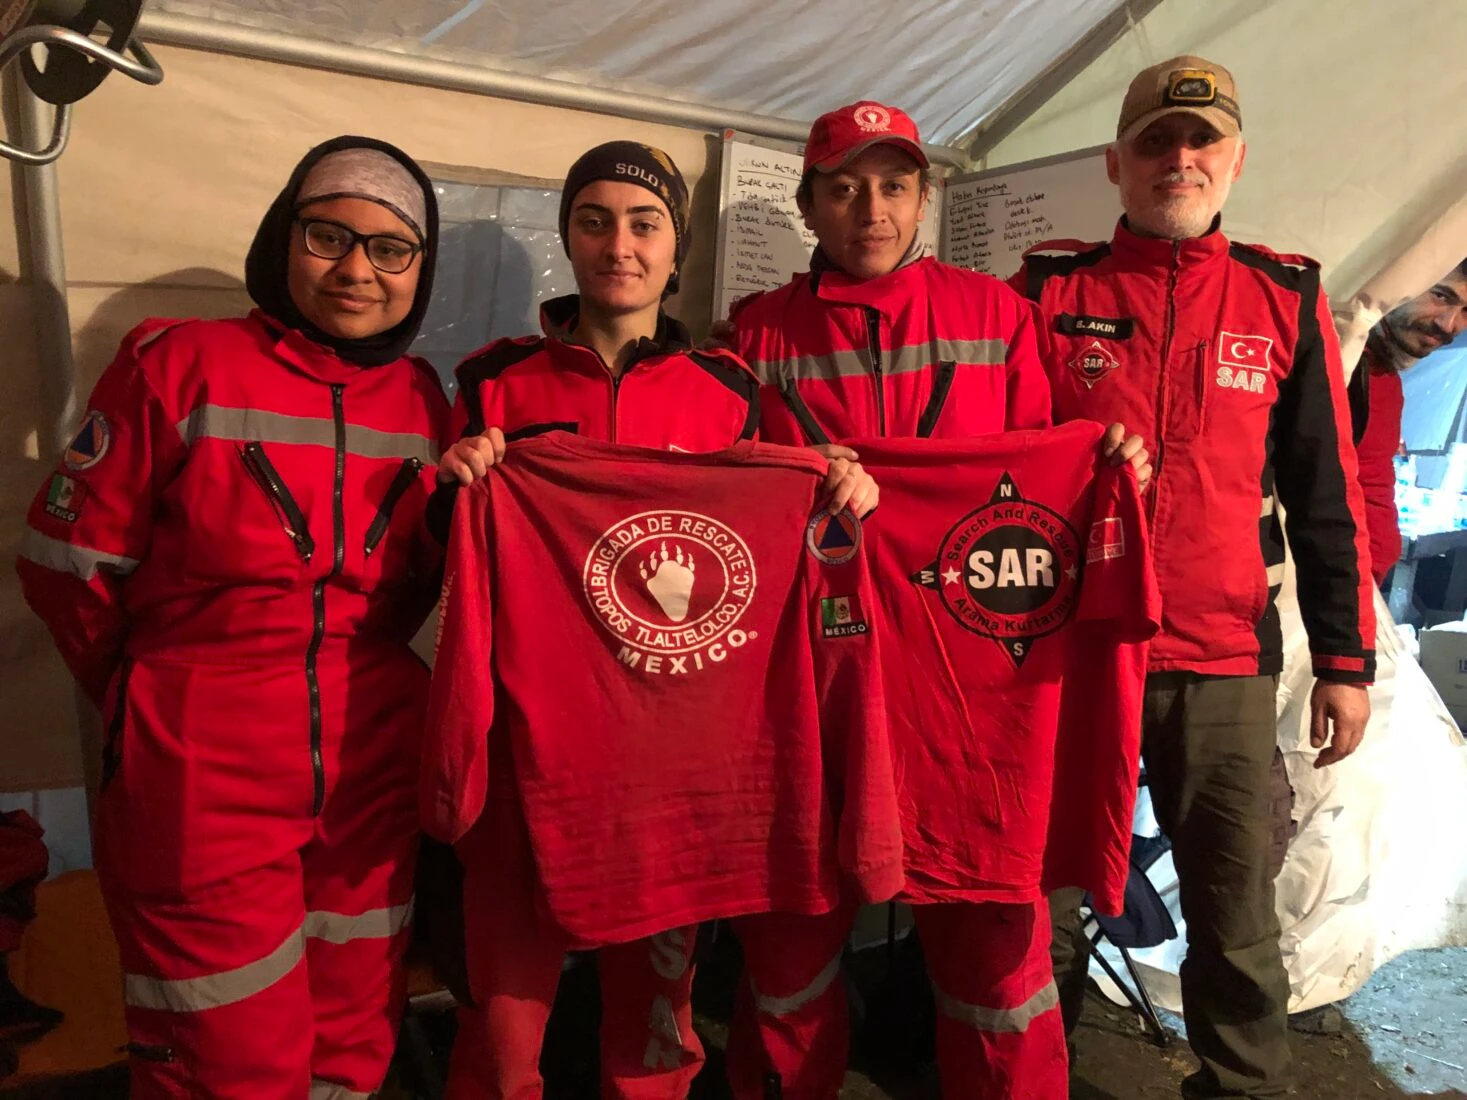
column 632, row 162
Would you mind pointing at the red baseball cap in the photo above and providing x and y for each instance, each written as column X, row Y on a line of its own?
column 839, row 135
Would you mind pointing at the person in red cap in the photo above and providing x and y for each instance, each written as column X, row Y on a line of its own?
column 879, row 339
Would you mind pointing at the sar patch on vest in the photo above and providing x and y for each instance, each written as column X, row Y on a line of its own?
column 1009, row 570
column 1093, row 363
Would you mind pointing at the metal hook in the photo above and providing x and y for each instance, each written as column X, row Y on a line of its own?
column 145, row 69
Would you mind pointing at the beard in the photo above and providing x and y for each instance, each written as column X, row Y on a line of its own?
column 1177, row 217
column 1413, row 340
column 1177, row 220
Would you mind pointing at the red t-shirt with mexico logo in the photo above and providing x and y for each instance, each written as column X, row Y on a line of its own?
column 666, row 659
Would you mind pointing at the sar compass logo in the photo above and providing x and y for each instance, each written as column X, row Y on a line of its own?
column 1093, row 363
column 670, row 587
column 1009, row 571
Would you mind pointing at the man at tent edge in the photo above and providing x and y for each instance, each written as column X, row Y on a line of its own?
column 1399, row 340
column 1225, row 356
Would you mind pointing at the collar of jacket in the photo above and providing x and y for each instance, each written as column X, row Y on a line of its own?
column 834, row 285
column 1378, row 354
column 558, row 320
column 1138, row 251
column 299, row 351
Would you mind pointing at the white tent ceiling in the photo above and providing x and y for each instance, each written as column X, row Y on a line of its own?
column 950, row 63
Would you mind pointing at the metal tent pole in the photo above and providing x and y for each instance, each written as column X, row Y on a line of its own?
column 44, row 259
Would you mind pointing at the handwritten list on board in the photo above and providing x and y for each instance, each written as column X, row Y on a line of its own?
column 762, row 239
column 765, row 239
column 991, row 218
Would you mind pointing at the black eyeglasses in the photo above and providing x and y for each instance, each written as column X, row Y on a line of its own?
column 333, row 241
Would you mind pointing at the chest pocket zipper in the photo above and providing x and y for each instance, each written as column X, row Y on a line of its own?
column 407, row 473
column 942, row 383
column 292, row 519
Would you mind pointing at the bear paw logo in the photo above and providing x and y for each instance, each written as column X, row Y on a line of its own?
column 669, row 577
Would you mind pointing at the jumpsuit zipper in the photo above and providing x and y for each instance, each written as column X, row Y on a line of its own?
column 292, row 519
column 407, row 473
column 873, row 334
column 318, row 601
column 1161, row 387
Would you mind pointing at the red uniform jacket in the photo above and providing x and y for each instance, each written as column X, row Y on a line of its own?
column 238, row 496
column 1016, row 599
column 673, row 672
column 1377, row 439
column 928, row 350
column 669, row 395
column 1224, row 357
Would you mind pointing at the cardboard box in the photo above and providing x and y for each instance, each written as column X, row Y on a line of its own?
column 1444, row 660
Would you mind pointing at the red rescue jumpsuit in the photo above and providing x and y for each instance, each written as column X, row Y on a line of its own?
column 668, row 396
column 231, row 558
column 927, row 350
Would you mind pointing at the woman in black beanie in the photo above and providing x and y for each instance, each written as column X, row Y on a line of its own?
column 610, row 365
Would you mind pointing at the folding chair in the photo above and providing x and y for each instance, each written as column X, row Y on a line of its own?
column 1144, row 922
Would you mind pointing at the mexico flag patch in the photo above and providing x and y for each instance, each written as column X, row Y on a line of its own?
column 840, row 617
column 64, row 498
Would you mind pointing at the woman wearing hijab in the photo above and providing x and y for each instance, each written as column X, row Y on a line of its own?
column 230, row 558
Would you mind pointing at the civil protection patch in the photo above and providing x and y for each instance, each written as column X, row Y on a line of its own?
column 833, row 539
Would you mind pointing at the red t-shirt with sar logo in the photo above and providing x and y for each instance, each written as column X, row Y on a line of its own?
column 1015, row 601
column 666, row 659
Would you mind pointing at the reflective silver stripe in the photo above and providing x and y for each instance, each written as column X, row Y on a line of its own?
column 784, row 1006
column 214, row 990
column 1268, row 507
column 998, row 1019
column 902, row 360
column 259, row 426
column 66, row 557
column 1275, row 575
column 374, row 924
column 330, row 1090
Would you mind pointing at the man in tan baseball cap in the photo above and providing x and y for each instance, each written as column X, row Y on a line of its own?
column 1179, row 147
column 1226, row 355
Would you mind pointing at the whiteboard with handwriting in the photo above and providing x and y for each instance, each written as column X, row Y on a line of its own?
column 991, row 217
column 762, row 240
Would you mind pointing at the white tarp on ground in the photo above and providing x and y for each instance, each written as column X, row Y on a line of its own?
column 1379, row 865
column 950, row 63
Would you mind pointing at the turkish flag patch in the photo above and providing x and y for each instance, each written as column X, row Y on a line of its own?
column 1249, row 352
column 1107, row 540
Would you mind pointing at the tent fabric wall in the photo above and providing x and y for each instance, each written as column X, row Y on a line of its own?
column 1356, row 143
column 161, row 191
column 958, row 60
